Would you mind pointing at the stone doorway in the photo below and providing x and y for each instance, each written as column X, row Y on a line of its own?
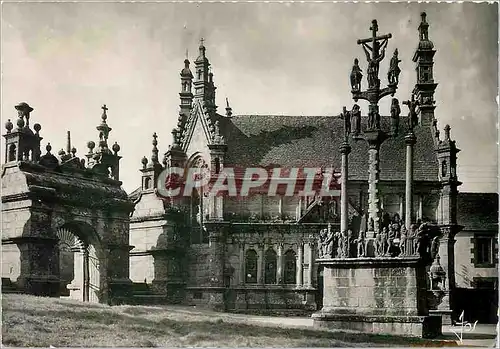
column 78, row 264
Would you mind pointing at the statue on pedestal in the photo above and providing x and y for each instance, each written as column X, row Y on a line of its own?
column 356, row 119
column 412, row 113
column 356, row 76
column 384, row 244
column 395, row 112
column 377, row 244
column 346, row 116
column 394, row 70
column 403, row 242
column 360, row 241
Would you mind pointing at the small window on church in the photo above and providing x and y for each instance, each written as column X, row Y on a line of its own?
column 251, row 267
column 483, row 248
column 290, row 268
column 12, row 152
column 271, row 267
column 147, row 182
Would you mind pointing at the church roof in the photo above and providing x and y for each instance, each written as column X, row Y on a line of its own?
column 314, row 141
column 478, row 211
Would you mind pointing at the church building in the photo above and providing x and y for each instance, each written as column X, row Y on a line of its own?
column 258, row 252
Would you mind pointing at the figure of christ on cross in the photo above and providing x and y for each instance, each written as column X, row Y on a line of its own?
column 378, row 43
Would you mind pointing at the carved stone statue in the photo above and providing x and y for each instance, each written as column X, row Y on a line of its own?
column 412, row 112
column 403, row 241
column 395, row 112
column 321, row 243
column 325, row 243
column 383, row 239
column 343, row 251
column 356, row 119
column 350, row 241
column 377, row 244
column 391, row 235
column 356, row 76
column 434, row 247
column 373, row 64
column 360, row 241
column 346, row 116
column 394, row 70
column 423, row 241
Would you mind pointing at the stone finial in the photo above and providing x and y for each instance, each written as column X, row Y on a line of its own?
column 154, row 156
column 447, row 129
column 116, row 148
column 91, row 146
column 68, row 142
column 144, row 162
column 48, row 148
column 37, row 128
column 9, row 126
column 103, row 128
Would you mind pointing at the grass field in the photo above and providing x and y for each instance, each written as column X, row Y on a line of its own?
column 33, row 321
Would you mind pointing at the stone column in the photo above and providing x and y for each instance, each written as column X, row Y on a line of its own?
column 279, row 278
column 260, row 264
column 410, row 141
column 300, row 262
column 310, row 261
column 216, row 258
column 86, row 273
column 242, row 263
column 345, row 149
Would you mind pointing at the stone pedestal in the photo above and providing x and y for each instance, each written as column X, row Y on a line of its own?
column 39, row 273
column 376, row 295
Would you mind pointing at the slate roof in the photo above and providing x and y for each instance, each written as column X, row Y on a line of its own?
column 314, row 141
column 478, row 211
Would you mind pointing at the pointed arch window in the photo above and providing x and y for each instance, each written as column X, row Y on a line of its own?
column 290, row 273
column 271, row 264
column 251, row 267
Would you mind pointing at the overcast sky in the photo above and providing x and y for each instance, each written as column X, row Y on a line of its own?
column 67, row 59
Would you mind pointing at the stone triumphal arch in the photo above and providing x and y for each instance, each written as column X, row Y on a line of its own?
column 65, row 220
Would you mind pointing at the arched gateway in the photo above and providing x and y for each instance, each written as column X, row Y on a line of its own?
column 65, row 221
